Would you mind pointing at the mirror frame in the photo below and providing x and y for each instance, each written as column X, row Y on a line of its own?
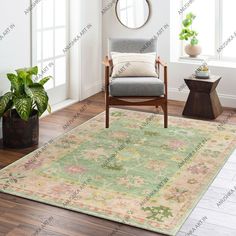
column 149, row 16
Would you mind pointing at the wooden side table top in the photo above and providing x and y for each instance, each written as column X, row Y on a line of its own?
column 212, row 79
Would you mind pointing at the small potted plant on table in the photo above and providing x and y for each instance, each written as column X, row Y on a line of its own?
column 203, row 72
column 21, row 108
column 188, row 34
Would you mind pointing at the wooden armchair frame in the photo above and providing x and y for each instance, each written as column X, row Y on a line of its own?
column 149, row 101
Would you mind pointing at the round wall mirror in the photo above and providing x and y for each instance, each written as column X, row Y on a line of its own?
column 133, row 13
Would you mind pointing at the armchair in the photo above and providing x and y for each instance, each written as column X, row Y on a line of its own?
column 151, row 90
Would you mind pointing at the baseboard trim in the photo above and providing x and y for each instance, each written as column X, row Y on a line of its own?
column 225, row 99
column 96, row 88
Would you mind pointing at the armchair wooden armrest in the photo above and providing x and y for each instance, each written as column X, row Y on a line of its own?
column 159, row 63
column 107, row 63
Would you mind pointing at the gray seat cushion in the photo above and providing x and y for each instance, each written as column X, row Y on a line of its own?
column 136, row 87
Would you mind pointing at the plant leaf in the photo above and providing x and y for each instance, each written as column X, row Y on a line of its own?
column 33, row 70
column 16, row 85
column 45, row 80
column 25, row 74
column 187, row 22
column 22, row 74
column 190, row 16
column 4, row 102
column 37, row 93
column 23, row 107
column 9, row 105
column 28, row 80
column 49, row 109
column 194, row 41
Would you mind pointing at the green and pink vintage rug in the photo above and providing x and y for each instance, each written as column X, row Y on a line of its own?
column 136, row 172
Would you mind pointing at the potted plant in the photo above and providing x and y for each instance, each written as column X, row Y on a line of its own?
column 203, row 72
column 21, row 108
column 190, row 35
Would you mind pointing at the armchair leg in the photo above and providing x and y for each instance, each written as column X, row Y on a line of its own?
column 107, row 116
column 165, row 110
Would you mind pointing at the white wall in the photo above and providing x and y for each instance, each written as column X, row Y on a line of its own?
column 91, row 48
column 15, row 47
column 161, row 15
column 85, row 57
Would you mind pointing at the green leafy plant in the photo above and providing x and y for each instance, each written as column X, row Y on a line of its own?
column 187, row 32
column 26, row 94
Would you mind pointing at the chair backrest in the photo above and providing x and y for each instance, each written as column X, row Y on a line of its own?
column 127, row 45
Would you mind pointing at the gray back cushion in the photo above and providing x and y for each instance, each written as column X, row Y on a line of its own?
column 125, row 45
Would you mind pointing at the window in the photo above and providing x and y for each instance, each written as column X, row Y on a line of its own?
column 228, row 20
column 214, row 25
column 50, row 33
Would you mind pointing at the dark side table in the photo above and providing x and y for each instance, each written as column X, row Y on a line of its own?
column 203, row 101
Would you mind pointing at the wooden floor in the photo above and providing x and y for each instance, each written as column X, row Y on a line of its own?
column 20, row 217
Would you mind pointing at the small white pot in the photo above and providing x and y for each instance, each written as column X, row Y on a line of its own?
column 193, row 51
column 203, row 74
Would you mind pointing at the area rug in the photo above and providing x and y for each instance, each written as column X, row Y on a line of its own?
column 136, row 172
